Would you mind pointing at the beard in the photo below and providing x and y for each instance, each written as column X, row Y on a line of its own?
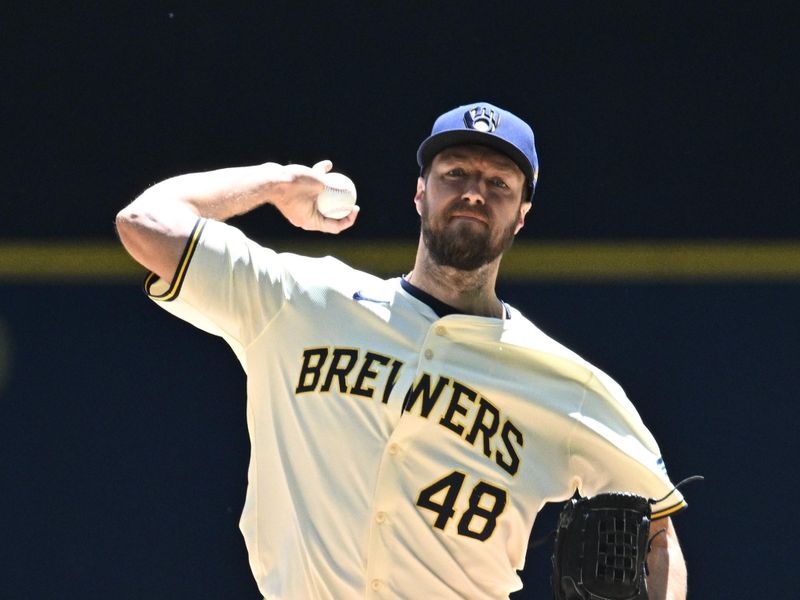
column 463, row 246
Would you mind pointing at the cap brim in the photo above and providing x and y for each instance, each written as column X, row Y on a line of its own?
column 438, row 142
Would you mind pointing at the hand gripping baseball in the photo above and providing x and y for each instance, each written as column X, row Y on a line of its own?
column 306, row 192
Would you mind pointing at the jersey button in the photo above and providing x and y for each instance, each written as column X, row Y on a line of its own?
column 380, row 517
column 393, row 448
column 428, row 353
column 375, row 584
column 440, row 330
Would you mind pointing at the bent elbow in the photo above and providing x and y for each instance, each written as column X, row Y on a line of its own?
column 124, row 219
column 154, row 234
column 127, row 222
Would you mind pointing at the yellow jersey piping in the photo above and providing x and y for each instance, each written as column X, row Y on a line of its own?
column 183, row 265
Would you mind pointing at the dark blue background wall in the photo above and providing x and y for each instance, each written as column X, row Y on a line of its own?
column 124, row 446
column 122, row 439
column 652, row 119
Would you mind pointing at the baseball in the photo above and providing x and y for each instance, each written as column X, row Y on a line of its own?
column 336, row 201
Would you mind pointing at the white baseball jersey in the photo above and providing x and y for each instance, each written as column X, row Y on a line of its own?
column 396, row 453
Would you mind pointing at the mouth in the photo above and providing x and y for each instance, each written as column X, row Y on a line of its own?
column 471, row 216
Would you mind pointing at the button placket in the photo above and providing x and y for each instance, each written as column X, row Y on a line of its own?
column 379, row 562
column 381, row 530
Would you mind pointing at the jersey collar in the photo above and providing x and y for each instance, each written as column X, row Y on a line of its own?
column 442, row 309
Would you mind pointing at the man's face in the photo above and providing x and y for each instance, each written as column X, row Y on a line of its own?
column 471, row 206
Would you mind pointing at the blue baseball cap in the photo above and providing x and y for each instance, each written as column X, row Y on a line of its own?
column 484, row 124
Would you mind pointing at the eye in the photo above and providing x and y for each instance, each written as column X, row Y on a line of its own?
column 456, row 172
column 497, row 182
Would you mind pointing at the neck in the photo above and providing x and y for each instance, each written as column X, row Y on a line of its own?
column 472, row 292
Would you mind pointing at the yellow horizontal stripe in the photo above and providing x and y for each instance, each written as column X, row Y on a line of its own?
column 93, row 261
column 669, row 511
column 767, row 260
column 66, row 261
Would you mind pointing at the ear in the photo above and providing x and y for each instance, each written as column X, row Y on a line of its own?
column 523, row 211
column 419, row 195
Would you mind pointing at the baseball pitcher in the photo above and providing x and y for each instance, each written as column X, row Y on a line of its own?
column 405, row 432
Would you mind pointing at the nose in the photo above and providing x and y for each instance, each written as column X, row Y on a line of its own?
column 472, row 191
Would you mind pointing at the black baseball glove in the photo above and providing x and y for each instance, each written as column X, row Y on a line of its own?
column 600, row 549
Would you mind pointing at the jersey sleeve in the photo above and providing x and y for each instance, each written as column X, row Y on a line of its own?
column 611, row 450
column 225, row 284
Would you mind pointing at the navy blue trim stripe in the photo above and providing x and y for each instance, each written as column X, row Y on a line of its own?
column 180, row 272
column 442, row 309
column 669, row 511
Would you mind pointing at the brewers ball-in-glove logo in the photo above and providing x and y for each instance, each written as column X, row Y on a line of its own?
column 482, row 118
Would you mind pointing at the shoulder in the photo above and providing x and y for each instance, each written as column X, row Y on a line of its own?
column 521, row 331
column 325, row 273
column 545, row 349
column 239, row 249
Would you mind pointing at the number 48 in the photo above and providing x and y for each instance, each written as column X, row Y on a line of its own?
column 449, row 487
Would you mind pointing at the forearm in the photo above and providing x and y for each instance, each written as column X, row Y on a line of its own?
column 154, row 227
column 667, row 568
column 219, row 194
